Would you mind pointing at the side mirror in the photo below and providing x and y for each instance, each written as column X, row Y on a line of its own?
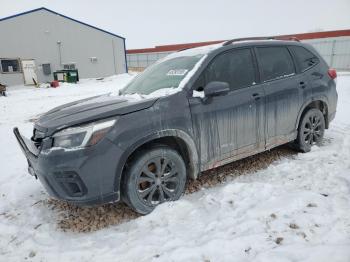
column 216, row 88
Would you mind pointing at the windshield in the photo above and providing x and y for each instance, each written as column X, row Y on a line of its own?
column 166, row 74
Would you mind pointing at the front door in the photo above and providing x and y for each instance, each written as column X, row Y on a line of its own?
column 233, row 124
column 30, row 77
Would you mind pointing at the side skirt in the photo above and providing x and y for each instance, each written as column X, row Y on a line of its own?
column 250, row 151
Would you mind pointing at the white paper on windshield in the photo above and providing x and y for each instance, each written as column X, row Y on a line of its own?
column 177, row 72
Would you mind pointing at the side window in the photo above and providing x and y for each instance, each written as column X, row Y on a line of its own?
column 304, row 58
column 234, row 67
column 275, row 62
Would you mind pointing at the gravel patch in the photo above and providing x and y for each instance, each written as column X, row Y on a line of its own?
column 87, row 219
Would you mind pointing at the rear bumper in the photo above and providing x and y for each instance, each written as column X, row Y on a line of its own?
column 83, row 176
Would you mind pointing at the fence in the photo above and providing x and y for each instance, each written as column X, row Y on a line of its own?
column 138, row 62
column 336, row 52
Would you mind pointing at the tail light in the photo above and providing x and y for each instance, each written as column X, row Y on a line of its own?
column 332, row 73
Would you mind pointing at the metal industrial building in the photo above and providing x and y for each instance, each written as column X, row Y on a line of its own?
column 334, row 46
column 36, row 43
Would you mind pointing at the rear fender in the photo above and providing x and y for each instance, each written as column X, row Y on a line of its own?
column 308, row 102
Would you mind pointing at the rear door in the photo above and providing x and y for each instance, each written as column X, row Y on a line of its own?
column 229, row 125
column 283, row 91
column 308, row 66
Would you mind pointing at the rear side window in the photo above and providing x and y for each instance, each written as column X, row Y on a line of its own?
column 234, row 67
column 275, row 62
column 304, row 58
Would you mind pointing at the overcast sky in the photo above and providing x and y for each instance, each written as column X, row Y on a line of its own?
column 158, row 22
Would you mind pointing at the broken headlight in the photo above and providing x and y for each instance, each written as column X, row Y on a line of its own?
column 82, row 136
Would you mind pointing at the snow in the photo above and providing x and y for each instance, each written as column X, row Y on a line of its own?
column 303, row 201
column 199, row 94
column 201, row 50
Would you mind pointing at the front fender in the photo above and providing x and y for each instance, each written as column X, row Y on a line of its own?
column 180, row 134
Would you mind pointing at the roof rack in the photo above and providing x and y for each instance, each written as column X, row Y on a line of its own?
column 292, row 38
column 248, row 38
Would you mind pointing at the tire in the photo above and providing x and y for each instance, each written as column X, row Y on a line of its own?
column 153, row 177
column 311, row 130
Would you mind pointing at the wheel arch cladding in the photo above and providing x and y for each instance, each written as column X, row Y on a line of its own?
column 319, row 103
column 174, row 138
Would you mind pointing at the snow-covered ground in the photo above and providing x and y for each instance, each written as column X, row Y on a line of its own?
column 297, row 209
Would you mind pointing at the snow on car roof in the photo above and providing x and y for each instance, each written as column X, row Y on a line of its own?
column 202, row 50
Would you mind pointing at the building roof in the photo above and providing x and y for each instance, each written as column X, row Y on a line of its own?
column 67, row 17
column 177, row 47
column 171, row 48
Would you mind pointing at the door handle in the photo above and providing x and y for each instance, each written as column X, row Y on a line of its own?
column 317, row 75
column 256, row 96
column 302, row 84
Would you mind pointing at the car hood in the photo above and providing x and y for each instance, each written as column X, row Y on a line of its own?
column 89, row 109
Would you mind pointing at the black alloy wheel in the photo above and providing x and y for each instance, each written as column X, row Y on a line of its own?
column 158, row 181
column 155, row 176
column 311, row 130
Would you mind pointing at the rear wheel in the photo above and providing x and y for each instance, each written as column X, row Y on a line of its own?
column 311, row 130
column 153, row 177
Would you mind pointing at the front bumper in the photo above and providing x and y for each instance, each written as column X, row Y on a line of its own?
column 84, row 176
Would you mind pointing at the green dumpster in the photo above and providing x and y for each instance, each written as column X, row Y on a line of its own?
column 66, row 75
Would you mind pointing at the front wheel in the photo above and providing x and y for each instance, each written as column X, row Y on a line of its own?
column 311, row 130
column 153, row 177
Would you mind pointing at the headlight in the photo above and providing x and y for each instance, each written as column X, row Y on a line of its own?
column 82, row 136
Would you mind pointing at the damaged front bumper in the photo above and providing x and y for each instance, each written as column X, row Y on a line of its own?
column 83, row 177
column 29, row 149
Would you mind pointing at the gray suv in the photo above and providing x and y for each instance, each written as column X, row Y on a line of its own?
column 195, row 110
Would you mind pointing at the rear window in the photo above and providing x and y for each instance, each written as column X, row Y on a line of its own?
column 304, row 58
column 275, row 62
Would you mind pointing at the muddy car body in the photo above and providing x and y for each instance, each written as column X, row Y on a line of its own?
column 232, row 101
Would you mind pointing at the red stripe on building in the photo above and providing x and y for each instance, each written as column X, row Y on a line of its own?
column 171, row 48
